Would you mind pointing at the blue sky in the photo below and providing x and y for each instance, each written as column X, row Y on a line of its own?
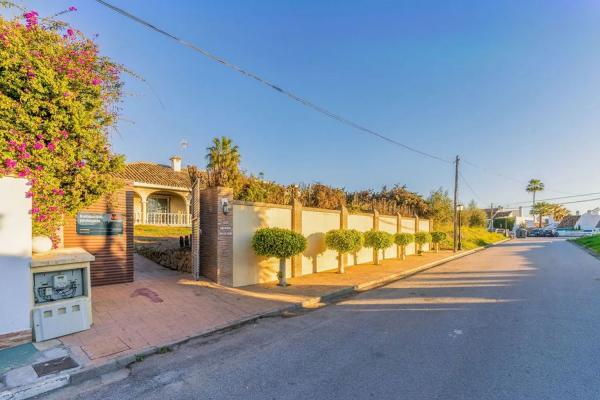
column 511, row 85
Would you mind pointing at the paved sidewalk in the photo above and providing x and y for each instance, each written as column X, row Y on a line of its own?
column 162, row 308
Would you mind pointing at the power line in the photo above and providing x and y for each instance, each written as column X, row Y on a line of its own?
column 265, row 82
column 470, row 187
column 555, row 198
column 519, row 181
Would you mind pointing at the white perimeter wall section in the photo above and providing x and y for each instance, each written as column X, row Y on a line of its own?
column 314, row 226
column 248, row 268
column 408, row 226
column 361, row 223
column 424, row 227
column 389, row 224
column 15, row 256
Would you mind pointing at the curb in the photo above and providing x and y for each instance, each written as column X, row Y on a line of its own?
column 85, row 374
column 586, row 249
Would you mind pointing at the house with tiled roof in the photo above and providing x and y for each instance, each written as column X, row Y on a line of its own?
column 161, row 192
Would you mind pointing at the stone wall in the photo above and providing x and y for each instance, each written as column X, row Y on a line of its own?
column 166, row 252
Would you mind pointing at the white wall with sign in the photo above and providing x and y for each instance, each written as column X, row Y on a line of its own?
column 15, row 256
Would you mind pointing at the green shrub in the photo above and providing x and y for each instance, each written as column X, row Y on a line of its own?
column 278, row 242
column 403, row 240
column 437, row 238
column 343, row 241
column 378, row 240
column 422, row 238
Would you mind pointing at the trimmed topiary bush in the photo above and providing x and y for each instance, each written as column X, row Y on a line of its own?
column 343, row 241
column 280, row 243
column 437, row 238
column 378, row 240
column 422, row 238
column 403, row 240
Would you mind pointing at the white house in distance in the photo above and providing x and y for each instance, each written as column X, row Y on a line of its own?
column 589, row 222
column 580, row 225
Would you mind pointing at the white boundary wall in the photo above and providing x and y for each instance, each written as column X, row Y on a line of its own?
column 15, row 256
column 315, row 224
column 389, row 224
column 249, row 269
column 362, row 223
column 408, row 226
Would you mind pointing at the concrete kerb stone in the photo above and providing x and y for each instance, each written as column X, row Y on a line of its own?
column 87, row 373
column 586, row 249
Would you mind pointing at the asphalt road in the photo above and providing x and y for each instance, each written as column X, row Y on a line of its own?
column 517, row 321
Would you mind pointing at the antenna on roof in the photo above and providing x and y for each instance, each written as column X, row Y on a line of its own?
column 183, row 144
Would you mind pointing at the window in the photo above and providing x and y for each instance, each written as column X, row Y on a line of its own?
column 158, row 204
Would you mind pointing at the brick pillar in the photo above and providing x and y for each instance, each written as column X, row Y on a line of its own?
column 344, row 225
column 216, row 244
column 297, row 227
column 375, row 228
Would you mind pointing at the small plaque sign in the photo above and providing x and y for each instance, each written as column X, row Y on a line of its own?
column 98, row 224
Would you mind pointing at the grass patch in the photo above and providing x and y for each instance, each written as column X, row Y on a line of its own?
column 471, row 237
column 161, row 231
column 591, row 242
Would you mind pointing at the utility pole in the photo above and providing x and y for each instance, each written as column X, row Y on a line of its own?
column 455, row 232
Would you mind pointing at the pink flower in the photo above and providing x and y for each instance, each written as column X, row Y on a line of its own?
column 72, row 8
column 80, row 164
column 39, row 168
column 52, row 208
column 41, row 217
column 24, row 172
column 96, row 81
column 51, row 147
column 70, row 32
column 31, row 18
column 64, row 134
column 29, row 194
column 66, row 94
column 38, row 145
column 10, row 163
column 24, row 156
column 35, row 210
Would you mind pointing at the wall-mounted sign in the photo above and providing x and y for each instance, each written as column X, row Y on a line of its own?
column 99, row 224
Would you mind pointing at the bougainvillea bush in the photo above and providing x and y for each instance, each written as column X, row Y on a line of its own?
column 58, row 96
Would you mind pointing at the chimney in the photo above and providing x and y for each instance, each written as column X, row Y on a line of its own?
column 176, row 163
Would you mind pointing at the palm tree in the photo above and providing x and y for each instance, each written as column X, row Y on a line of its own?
column 534, row 186
column 223, row 163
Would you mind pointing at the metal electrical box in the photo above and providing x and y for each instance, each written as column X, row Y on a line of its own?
column 61, row 293
column 58, row 285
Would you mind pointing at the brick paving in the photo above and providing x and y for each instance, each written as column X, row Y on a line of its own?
column 163, row 306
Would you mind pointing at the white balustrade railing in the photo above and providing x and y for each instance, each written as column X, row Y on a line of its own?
column 172, row 219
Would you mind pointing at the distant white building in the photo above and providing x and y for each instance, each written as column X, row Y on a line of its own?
column 589, row 222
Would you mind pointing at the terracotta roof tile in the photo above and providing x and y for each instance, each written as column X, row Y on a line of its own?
column 156, row 174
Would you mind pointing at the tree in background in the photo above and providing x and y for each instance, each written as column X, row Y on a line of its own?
column 58, row 97
column 223, row 164
column 440, row 207
column 534, row 186
column 473, row 216
column 559, row 212
column 504, row 223
column 542, row 208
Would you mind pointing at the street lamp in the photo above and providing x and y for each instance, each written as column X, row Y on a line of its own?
column 459, row 208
